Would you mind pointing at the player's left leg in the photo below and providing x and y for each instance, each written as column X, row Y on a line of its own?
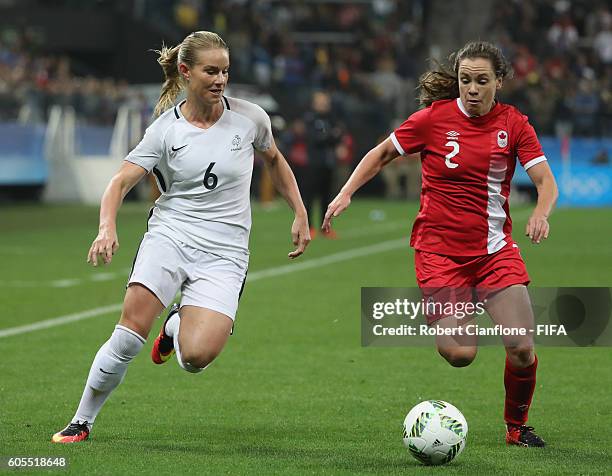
column 163, row 346
column 511, row 308
column 199, row 335
column 198, row 331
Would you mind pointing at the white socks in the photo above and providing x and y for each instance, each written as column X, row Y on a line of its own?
column 107, row 371
column 172, row 329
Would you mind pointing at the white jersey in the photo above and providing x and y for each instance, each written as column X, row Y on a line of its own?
column 205, row 176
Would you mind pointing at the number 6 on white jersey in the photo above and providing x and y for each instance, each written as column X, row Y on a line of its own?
column 451, row 154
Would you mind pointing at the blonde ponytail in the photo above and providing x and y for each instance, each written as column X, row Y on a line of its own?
column 168, row 60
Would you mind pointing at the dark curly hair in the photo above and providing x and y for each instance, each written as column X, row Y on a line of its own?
column 443, row 83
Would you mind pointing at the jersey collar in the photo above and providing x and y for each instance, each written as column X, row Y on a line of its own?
column 179, row 114
column 489, row 114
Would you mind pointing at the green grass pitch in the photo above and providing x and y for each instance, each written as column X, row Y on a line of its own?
column 293, row 392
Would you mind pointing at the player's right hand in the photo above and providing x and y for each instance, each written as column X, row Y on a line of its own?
column 335, row 208
column 104, row 246
column 300, row 235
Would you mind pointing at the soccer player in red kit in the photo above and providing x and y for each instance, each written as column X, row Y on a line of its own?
column 469, row 145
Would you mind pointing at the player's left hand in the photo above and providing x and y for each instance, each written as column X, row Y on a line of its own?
column 300, row 235
column 537, row 228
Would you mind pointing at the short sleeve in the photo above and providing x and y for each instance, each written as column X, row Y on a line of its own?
column 263, row 130
column 149, row 151
column 411, row 136
column 528, row 148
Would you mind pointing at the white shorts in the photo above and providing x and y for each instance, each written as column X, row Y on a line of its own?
column 204, row 279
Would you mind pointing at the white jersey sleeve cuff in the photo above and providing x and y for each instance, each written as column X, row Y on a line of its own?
column 134, row 161
column 397, row 144
column 535, row 161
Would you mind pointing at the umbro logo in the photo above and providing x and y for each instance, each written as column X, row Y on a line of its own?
column 452, row 136
column 174, row 149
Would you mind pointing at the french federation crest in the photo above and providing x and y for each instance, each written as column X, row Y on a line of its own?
column 502, row 139
column 236, row 143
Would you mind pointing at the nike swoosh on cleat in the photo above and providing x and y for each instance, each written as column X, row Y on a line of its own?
column 108, row 373
column 174, row 149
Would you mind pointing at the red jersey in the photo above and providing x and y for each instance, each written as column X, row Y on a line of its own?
column 468, row 163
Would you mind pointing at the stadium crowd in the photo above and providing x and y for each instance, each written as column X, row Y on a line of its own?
column 561, row 52
column 368, row 55
column 32, row 81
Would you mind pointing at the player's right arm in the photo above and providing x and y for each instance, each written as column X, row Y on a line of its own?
column 369, row 166
column 107, row 243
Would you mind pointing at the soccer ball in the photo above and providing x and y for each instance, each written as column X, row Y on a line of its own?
column 435, row 432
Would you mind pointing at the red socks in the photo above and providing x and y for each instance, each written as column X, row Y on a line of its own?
column 520, row 384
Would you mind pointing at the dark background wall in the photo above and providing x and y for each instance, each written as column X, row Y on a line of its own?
column 103, row 40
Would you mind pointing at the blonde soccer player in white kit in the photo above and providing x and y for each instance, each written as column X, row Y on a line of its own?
column 201, row 153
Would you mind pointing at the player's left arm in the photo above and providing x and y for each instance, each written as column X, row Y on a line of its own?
column 542, row 177
column 285, row 183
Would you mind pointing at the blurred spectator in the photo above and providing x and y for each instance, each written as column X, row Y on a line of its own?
column 524, row 63
column 295, row 148
column 603, row 43
column 323, row 135
column 345, row 156
column 585, row 107
column 563, row 35
column 187, row 15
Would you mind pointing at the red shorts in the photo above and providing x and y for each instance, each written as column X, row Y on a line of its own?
column 468, row 278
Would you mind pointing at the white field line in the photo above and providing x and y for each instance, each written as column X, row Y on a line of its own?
column 372, row 229
column 329, row 259
column 254, row 276
column 58, row 321
column 67, row 282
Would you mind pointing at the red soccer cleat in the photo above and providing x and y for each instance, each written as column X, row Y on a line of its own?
column 522, row 435
column 73, row 433
column 163, row 347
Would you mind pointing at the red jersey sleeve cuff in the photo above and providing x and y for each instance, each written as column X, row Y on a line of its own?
column 396, row 143
column 535, row 161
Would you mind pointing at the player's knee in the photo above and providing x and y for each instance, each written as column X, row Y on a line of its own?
column 131, row 319
column 458, row 356
column 199, row 358
column 520, row 356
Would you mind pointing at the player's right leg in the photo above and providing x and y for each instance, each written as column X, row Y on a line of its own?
column 155, row 279
column 140, row 308
column 459, row 350
column 444, row 281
